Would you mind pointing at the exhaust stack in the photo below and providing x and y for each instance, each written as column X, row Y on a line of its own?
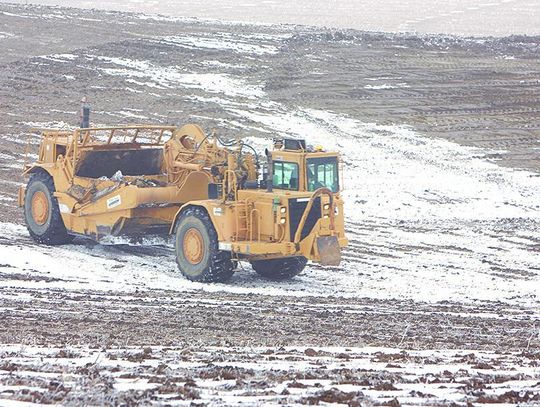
column 269, row 176
column 84, row 114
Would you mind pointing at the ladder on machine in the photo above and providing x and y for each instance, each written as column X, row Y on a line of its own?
column 243, row 223
column 246, row 214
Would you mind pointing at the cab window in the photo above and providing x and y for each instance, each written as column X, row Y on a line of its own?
column 285, row 175
column 322, row 172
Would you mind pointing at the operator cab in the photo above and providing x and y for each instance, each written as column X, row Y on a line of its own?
column 296, row 167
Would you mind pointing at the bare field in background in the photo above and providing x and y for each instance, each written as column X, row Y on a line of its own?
column 462, row 17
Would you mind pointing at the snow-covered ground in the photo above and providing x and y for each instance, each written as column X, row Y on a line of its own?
column 264, row 376
column 428, row 221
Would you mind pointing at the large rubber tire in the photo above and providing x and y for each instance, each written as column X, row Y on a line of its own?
column 49, row 229
column 210, row 265
column 280, row 269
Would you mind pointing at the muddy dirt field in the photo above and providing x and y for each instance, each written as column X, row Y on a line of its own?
column 436, row 302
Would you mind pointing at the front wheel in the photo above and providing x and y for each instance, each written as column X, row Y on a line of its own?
column 197, row 253
column 280, row 269
column 41, row 211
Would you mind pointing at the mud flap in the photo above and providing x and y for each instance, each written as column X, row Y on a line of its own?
column 329, row 250
column 21, row 195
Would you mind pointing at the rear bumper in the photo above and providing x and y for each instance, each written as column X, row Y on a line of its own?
column 254, row 250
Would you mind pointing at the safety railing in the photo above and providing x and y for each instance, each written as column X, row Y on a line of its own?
column 230, row 186
column 331, row 214
column 142, row 135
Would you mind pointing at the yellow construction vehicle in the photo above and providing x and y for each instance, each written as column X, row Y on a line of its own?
column 209, row 193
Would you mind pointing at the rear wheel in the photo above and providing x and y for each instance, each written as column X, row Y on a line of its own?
column 280, row 269
column 41, row 211
column 197, row 253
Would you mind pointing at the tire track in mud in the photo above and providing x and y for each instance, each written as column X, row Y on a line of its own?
column 70, row 317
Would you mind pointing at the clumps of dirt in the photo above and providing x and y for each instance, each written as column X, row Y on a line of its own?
column 333, row 395
column 258, row 393
column 416, row 393
column 392, row 403
column 532, row 356
column 483, row 366
column 297, row 385
column 385, row 387
column 212, row 376
column 138, row 357
column 393, row 366
column 468, row 358
column 54, row 393
column 9, row 366
column 181, row 392
column 29, row 277
column 65, row 354
column 390, row 357
column 404, row 357
column 511, row 397
column 310, row 352
column 225, row 373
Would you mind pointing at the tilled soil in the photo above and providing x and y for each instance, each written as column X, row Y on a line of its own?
column 41, row 316
column 262, row 376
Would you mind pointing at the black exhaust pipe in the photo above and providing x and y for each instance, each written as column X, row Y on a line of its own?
column 270, row 174
column 85, row 114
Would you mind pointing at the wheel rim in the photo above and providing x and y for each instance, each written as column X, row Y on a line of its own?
column 40, row 207
column 193, row 246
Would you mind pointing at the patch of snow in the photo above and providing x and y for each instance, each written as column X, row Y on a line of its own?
column 172, row 77
column 5, row 13
column 132, row 115
column 49, row 125
column 218, row 64
column 60, row 57
column 223, row 42
column 6, row 35
column 386, row 86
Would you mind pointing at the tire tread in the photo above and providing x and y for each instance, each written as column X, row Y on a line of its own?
column 56, row 233
column 220, row 267
column 280, row 269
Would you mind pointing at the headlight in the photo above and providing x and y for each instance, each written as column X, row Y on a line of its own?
column 282, row 221
column 283, row 209
column 326, row 206
column 336, row 211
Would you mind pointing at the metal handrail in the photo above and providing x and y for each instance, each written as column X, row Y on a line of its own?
column 316, row 194
column 87, row 134
column 251, row 223
column 229, row 184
